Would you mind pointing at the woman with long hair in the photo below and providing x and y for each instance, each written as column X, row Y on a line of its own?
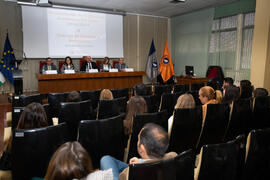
column 68, row 65
column 136, row 105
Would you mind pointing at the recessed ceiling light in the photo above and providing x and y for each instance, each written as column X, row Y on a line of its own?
column 177, row 1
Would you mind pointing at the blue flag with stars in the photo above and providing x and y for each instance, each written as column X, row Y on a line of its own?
column 8, row 61
column 152, row 66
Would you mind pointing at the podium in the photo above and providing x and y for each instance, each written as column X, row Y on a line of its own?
column 18, row 81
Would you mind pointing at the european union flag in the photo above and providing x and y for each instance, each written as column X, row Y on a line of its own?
column 8, row 61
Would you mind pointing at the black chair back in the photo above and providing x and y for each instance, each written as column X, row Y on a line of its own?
column 54, row 100
column 28, row 99
column 103, row 137
column 181, row 88
column 215, row 124
column 168, row 102
column 195, row 95
column 152, row 103
column 32, row 150
column 16, row 113
column 110, row 108
column 70, row 113
column 196, row 86
column 258, row 155
column 219, row 161
column 139, row 120
column 92, row 95
column 160, row 89
column 261, row 113
column 49, row 114
column 180, row 167
column 240, row 118
column 186, row 129
column 121, row 92
column 86, row 110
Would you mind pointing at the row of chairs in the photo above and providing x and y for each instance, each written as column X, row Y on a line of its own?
column 241, row 158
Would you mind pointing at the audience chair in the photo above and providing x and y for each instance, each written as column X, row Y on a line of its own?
column 196, row 86
column 168, row 101
column 32, row 150
column 121, row 92
column 70, row 113
column 152, row 103
column 93, row 95
column 54, row 100
column 139, row 120
column 257, row 162
column 180, row 88
column 186, row 129
column 16, row 113
column 261, row 113
column 239, row 120
column 180, row 167
column 160, row 89
column 49, row 114
column 195, row 95
column 219, row 161
column 110, row 108
column 24, row 100
column 214, row 125
column 103, row 137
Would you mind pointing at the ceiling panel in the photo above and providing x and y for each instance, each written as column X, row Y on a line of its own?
column 148, row 7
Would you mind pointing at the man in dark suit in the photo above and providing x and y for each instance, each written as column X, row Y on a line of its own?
column 121, row 65
column 48, row 66
column 88, row 64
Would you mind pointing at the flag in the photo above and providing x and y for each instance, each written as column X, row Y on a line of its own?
column 166, row 66
column 2, row 79
column 8, row 61
column 152, row 66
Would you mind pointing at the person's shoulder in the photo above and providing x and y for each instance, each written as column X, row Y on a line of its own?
column 101, row 175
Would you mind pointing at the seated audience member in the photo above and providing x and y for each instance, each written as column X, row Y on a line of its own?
column 48, row 66
column 208, row 95
column 121, row 65
column 73, row 96
column 258, row 92
column 183, row 101
column 246, row 89
column 231, row 94
column 227, row 81
column 33, row 116
column 71, row 161
column 105, row 94
column 139, row 89
column 88, row 64
column 68, row 65
column 153, row 142
column 136, row 105
column 106, row 65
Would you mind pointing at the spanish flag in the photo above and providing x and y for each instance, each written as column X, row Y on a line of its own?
column 166, row 66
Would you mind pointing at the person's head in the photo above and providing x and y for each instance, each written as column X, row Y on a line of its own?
column 258, row 92
column 49, row 61
column 185, row 101
column 106, row 60
column 73, row 96
column 105, row 94
column 68, row 60
column 139, row 89
column 137, row 105
column 231, row 93
column 88, row 58
column 246, row 89
column 121, row 60
column 70, row 161
column 227, row 81
column 153, row 141
column 33, row 116
column 207, row 93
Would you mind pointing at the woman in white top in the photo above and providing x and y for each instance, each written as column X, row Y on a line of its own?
column 68, row 65
column 105, row 66
column 183, row 101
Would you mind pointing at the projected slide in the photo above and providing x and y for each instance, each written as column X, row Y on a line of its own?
column 83, row 33
column 59, row 33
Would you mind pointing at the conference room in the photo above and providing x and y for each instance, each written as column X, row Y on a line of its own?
column 194, row 36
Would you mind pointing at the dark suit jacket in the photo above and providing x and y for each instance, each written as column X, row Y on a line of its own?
column 84, row 64
column 45, row 68
column 120, row 66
